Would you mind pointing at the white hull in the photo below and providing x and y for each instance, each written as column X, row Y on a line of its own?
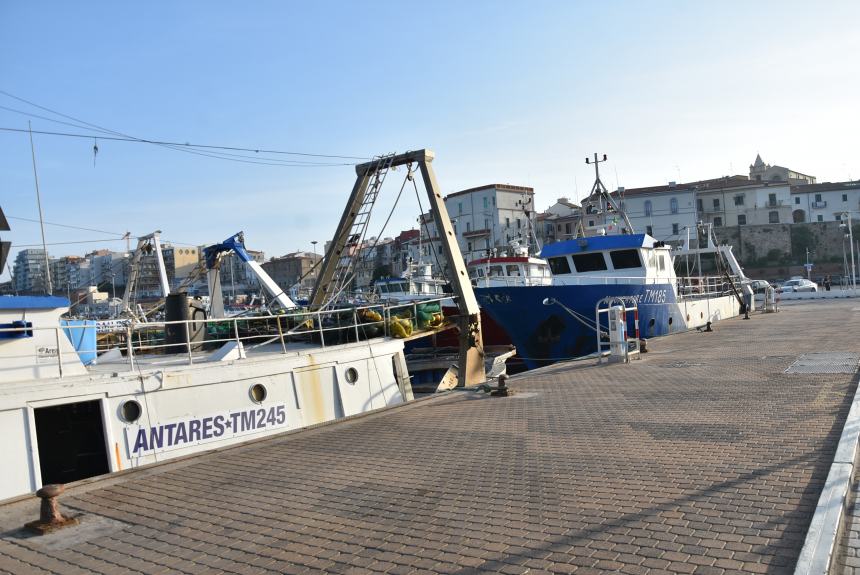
column 183, row 408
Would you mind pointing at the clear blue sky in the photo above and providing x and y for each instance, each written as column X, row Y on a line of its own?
column 513, row 92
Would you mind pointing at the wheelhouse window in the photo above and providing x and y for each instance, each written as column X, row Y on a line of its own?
column 513, row 270
column 496, row 271
column 559, row 265
column 589, row 262
column 625, row 259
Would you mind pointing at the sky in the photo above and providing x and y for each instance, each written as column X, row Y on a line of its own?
column 502, row 92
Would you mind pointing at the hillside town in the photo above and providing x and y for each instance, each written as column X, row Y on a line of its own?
column 777, row 220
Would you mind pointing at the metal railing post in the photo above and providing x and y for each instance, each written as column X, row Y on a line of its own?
column 322, row 333
column 59, row 353
column 355, row 322
column 236, row 332
column 188, row 341
column 129, row 347
column 281, row 334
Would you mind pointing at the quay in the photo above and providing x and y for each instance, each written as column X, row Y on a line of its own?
column 707, row 456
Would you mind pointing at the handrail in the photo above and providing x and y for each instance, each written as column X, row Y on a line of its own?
column 323, row 323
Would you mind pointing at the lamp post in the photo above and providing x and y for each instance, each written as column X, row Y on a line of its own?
column 314, row 244
column 846, row 223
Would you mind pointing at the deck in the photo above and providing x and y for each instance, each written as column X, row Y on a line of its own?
column 704, row 457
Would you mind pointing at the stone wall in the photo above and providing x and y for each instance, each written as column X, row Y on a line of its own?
column 784, row 244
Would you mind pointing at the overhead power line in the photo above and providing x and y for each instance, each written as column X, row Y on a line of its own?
column 67, row 226
column 179, row 146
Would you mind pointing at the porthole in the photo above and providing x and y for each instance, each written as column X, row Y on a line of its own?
column 130, row 411
column 258, row 393
column 351, row 375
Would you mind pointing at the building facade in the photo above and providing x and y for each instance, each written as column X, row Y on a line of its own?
column 30, row 272
column 825, row 202
column 761, row 172
column 288, row 269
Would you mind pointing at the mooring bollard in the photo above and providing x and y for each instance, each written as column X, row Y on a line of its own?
column 502, row 389
column 50, row 518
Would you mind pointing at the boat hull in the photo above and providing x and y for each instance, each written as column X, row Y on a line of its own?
column 544, row 334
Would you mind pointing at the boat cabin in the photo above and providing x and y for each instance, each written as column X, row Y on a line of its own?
column 509, row 271
column 629, row 258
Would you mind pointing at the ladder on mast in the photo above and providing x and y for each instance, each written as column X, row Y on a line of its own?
column 346, row 263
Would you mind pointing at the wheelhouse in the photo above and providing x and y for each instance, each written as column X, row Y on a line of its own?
column 633, row 257
column 515, row 270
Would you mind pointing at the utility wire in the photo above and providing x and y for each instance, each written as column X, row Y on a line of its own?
column 66, row 226
column 185, row 148
column 230, row 148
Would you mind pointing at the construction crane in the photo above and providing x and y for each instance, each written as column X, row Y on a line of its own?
column 214, row 254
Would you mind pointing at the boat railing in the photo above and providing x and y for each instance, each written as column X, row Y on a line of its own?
column 706, row 286
column 325, row 328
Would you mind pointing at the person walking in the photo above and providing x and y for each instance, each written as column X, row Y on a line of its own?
column 827, row 282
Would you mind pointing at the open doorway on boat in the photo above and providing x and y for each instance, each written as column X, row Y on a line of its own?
column 71, row 442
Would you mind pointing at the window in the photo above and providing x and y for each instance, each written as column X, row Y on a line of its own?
column 817, row 197
column 590, row 223
column 820, row 218
column 625, row 259
column 486, row 203
column 649, row 230
column 459, row 207
column 773, row 217
column 590, row 262
column 673, row 205
column 771, row 199
column 675, row 230
column 567, row 228
column 519, row 223
column 742, row 220
column 559, row 265
column 844, row 197
column 797, row 200
column 758, row 177
column 494, row 201
column 716, row 203
column 513, row 270
column 468, row 227
column 739, row 200
column 718, row 222
column 469, row 246
column 661, row 263
column 455, row 228
column 486, row 223
column 508, row 223
column 699, row 205
column 647, row 207
column 559, row 227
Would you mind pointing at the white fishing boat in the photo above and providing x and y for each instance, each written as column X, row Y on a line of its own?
column 70, row 409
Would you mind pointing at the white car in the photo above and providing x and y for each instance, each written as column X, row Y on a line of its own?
column 799, row 285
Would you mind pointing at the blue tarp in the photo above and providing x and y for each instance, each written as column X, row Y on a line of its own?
column 32, row 302
column 82, row 334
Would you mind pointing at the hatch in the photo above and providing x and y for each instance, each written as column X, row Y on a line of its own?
column 71, row 442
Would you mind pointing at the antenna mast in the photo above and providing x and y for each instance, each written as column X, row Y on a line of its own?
column 605, row 202
column 49, row 289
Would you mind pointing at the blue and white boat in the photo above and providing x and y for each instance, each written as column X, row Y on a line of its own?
column 549, row 323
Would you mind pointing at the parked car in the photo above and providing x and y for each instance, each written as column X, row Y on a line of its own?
column 759, row 286
column 798, row 285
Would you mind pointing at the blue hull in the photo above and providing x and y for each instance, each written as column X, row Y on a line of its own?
column 544, row 334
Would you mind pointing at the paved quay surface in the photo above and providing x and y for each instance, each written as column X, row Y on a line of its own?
column 704, row 457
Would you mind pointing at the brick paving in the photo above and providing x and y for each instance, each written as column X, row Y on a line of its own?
column 702, row 458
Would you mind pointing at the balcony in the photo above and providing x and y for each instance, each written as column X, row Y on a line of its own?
column 476, row 233
column 713, row 209
column 820, row 204
column 773, row 203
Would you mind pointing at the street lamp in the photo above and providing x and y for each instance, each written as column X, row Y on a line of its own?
column 846, row 223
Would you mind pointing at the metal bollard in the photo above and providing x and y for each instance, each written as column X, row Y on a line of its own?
column 50, row 518
column 502, row 390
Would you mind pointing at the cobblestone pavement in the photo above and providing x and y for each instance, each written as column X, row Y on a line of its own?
column 704, row 457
